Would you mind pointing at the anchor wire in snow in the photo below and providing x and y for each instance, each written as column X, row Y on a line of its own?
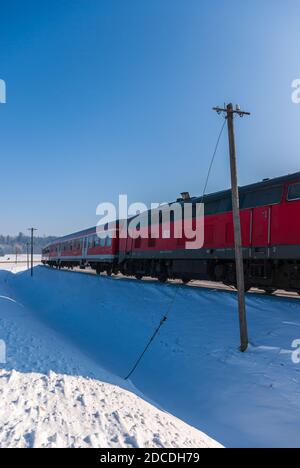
column 163, row 320
column 165, row 317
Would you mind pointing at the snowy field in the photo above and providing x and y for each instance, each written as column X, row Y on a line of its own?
column 21, row 258
column 53, row 395
column 61, row 326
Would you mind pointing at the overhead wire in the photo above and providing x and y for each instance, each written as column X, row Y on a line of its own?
column 165, row 317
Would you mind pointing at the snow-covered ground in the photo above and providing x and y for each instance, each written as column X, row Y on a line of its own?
column 53, row 395
column 193, row 369
column 21, row 258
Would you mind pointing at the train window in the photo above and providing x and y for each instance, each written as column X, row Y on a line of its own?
column 109, row 241
column 217, row 206
column 102, row 242
column 294, row 192
column 212, row 207
column 225, row 205
column 263, row 197
column 144, row 220
column 169, row 214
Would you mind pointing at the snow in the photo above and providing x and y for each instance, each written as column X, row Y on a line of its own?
column 54, row 395
column 64, row 411
column 22, row 258
column 193, row 369
column 8, row 262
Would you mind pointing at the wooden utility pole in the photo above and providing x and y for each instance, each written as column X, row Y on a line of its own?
column 32, row 233
column 229, row 112
column 27, row 248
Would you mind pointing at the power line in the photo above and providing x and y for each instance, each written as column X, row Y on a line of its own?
column 213, row 159
column 165, row 317
column 163, row 320
column 32, row 234
column 230, row 112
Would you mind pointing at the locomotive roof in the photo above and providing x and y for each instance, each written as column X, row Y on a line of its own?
column 78, row 234
column 266, row 183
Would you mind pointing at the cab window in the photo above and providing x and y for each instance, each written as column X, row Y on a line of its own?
column 294, row 192
column 261, row 197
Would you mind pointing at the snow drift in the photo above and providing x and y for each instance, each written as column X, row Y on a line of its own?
column 193, row 369
column 54, row 396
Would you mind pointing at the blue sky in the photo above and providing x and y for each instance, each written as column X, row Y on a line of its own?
column 115, row 96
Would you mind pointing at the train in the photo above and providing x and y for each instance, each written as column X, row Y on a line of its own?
column 270, row 225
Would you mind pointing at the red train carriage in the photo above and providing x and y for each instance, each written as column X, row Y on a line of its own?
column 85, row 248
column 270, row 219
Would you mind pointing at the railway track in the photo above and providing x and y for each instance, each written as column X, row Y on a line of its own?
column 193, row 284
column 11, row 262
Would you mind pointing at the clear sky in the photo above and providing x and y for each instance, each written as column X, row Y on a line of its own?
column 115, row 96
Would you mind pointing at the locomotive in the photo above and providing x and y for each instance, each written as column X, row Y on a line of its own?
column 270, row 224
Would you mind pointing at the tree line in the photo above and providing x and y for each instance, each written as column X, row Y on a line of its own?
column 13, row 244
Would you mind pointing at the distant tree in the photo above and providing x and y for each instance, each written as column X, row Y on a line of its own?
column 20, row 238
column 8, row 244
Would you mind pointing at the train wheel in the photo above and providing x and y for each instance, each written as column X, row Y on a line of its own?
column 270, row 291
column 109, row 272
column 138, row 277
column 162, row 278
column 185, row 280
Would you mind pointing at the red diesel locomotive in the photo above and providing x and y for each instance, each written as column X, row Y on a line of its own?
column 270, row 220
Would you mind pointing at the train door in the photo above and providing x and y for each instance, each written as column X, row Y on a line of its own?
column 261, row 223
column 85, row 247
column 125, row 242
column 129, row 244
